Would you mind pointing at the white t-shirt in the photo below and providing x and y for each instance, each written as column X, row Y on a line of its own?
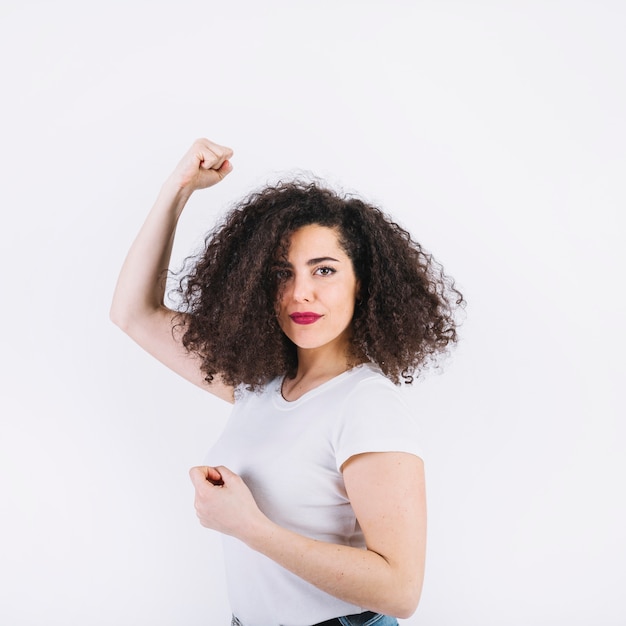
column 290, row 455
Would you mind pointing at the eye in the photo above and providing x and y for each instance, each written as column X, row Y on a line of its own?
column 282, row 273
column 325, row 271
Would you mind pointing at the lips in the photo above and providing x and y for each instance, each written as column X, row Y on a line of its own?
column 305, row 318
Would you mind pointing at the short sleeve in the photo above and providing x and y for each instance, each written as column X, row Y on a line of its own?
column 375, row 418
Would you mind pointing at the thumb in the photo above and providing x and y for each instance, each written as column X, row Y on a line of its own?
column 225, row 474
column 202, row 474
column 225, row 168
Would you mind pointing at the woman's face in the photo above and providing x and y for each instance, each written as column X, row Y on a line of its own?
column 317, row 291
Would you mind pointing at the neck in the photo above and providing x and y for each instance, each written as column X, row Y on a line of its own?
column 319, row 361
column 333, row 357
column 315, row 367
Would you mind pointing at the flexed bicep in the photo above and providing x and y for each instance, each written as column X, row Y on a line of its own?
column 138, row 302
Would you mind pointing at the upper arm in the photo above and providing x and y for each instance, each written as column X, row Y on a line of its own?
column 159, row 334
column 387, row 493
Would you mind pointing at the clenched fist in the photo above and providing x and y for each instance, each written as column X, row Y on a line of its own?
column 224, row 503
column 204, row 165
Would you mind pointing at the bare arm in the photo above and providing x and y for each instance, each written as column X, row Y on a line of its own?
column 388, row 496
column 138, row 302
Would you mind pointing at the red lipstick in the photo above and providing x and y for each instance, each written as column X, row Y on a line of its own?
column 305, row 318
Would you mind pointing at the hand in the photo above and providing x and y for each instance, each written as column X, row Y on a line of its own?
column 223, row 502
column 204, row 165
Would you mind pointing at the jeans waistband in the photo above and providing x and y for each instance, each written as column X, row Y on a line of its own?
column 358, row 618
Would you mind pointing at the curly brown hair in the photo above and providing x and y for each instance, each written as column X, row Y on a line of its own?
column 404, row 317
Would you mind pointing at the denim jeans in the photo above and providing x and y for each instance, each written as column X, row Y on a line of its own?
column 362, row 619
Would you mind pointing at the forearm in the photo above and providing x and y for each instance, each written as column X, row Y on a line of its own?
column 359, row 576
column 387, row 494
column 141, row 284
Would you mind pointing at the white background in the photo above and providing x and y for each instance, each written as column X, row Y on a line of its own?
column 494, row 131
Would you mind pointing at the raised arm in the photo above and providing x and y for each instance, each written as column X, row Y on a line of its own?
column 138, row 302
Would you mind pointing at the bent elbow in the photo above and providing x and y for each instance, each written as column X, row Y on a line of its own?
column 406, row 602
column 406, row 608
column 130, row 316
column 405, row 612
column 126, row 319
column 119, row 318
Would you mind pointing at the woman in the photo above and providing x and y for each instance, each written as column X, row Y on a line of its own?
column 304, row 310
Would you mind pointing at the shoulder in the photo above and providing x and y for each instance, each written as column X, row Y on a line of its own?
column 369, row 385
column 366, row 373
column 375, row 417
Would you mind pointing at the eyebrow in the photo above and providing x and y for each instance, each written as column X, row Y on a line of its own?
column 321, row 259
column 310, row 262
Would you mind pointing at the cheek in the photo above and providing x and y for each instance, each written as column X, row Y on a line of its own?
column 346, row 304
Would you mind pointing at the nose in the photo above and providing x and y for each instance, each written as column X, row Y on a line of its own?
column 302, row 289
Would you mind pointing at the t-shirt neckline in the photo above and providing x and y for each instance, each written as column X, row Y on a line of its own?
column 281, row 402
